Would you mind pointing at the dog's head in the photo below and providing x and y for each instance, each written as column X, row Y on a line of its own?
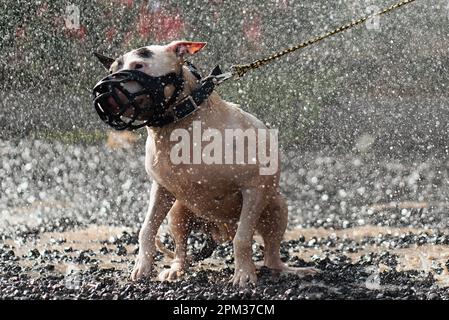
column 154, row 60
column 158, row 62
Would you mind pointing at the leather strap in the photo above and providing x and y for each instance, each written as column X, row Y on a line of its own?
column 191, row 103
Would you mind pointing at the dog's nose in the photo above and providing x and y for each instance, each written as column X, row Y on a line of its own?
column 135, row 65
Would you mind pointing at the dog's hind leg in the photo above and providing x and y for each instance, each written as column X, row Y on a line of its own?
column 252, row 206
column 180, row 223
column 271, row 227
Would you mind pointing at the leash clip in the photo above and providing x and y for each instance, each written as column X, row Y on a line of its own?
column 217, row 76
column 222, row 78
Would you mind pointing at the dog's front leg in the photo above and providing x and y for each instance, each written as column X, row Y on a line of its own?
column 180, row 227
column 160, row 203
column 252, row 205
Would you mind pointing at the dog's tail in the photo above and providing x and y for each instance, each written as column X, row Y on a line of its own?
column 205, row 252
column 162, row 248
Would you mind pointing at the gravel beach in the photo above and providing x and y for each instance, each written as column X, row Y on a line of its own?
column 376, row 227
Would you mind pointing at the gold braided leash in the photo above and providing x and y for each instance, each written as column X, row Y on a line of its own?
column 240, row 69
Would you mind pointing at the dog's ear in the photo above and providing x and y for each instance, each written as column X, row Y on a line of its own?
column 105, row 61
column 183, row 47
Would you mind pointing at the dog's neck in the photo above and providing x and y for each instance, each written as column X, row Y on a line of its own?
column 190, row 84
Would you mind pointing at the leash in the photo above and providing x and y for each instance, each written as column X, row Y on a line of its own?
column 240, row 70
column 121, row 115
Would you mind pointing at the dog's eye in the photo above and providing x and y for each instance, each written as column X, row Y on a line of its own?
column 138, row 66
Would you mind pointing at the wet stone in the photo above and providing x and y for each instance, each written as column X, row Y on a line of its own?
column 121, row 250
column 34, row 253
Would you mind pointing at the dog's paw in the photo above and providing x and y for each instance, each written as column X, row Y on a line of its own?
column 170, row 275
column 174, row 273
column 244, row 277
column 142, row 269
column 307, row 271
column 301, row 272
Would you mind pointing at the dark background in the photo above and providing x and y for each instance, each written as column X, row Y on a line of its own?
column 365, row 89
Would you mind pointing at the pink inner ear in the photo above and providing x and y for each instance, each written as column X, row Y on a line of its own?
column 189, row 47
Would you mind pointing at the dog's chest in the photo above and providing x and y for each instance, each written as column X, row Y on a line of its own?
column 202, row 189
column 183, row 180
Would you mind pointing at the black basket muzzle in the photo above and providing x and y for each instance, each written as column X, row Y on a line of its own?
column 131, row 99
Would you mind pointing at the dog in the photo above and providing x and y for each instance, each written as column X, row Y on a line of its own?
column 227, row 201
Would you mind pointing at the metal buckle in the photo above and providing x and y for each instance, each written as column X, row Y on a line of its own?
column 192, row 101
column 175, row 108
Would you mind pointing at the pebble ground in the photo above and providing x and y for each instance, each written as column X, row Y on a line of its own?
column 376, row 227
